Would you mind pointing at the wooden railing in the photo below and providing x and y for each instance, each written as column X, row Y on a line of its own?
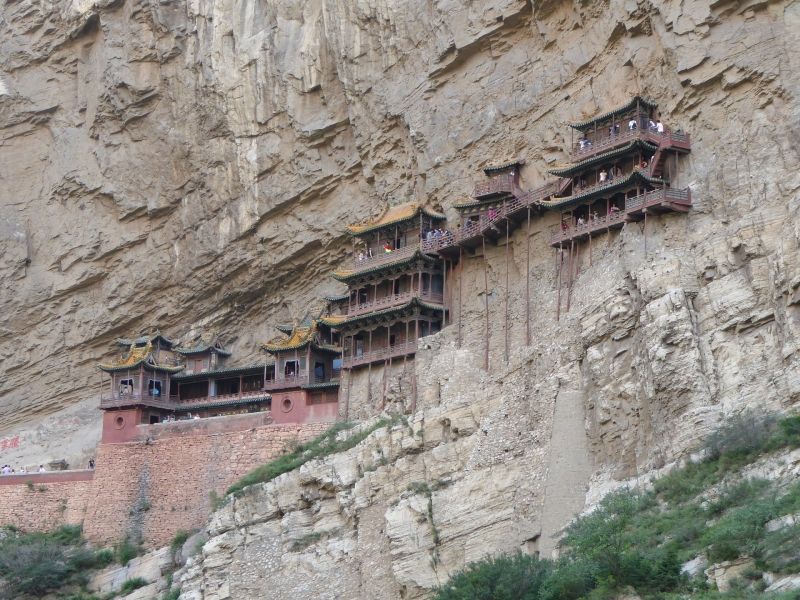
column 380, row 256
column 393, row 300
column 666, row 139
column 118, row 400
column 173, row 402
column 498, row 184
column 401, row 349
column 562, row 233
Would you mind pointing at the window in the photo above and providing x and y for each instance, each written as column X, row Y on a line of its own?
column 154, row 388
column 153, row 419
column 319, row 371
column 126, row 387
column 392, row 340
column 291, row 368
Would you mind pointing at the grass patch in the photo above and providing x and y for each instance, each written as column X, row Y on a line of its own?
column 327, row 443
column 35, row 563
column 639, row 540
column 132, row 584
column 126, row 550
column 179, row 540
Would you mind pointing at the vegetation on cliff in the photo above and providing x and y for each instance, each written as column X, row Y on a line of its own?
column 331, row 441
column 35, row 563
column 639, row 540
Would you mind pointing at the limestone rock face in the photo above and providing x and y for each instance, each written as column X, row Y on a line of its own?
column 189, row 166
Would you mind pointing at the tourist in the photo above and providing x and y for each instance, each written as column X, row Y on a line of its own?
column 387, row 248
column 632, row 124
column 6, row 470
column 492, row 214
column 618, row 172
column 580, row 222
column 91, row 463
column 429, row 235
column 23, row 470
column 369, row 252
column 360, row 257
column 660, row 127
column 603, row 176
column 42, row 469
column 643, row 164
column 652, row 125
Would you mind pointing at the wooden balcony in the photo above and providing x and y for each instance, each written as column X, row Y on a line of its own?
column 393, row 300
column 496, row 186
column 300, row 380
column 669, row 139
column 117, row 400
column 660, row 200
column 173, row 403
column 380, row 355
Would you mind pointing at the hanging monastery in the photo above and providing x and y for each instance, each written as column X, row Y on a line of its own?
column 402, row 284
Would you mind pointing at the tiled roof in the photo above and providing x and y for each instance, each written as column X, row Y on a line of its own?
column 346, row 275
column 139, row 356
column 379, row 313
column 502, row 166
column 200, row 348
column 575, row 168
column 205, row 406
column 336, row 298
column 477, row 203
column 603, row 191
column 300, row 337
column 322, row 385
column 394, row 216
column 223, row 371
column 139, row 341
column 584, row 125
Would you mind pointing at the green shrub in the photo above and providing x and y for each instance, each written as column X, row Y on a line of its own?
column 179, row 540
column 172, row 594
column 323, row 445
column 512, row 577
column 742, row 435
column 34, row 563
column 126, row 550
column 132, row 584
column 569, row 580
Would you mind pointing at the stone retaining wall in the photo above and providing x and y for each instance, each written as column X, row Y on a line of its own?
column 154, row 488
column 44, row 501
column 150, row 488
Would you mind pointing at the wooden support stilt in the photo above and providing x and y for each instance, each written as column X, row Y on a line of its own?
column 590, row 248
column 569, row 273
column 528, row 280
column 369, row 369
column 645, row 230
column 347, row 394
column 560, row 267
column 508, row 292
column 460, row 286
column 485, row 306
column 444, row 292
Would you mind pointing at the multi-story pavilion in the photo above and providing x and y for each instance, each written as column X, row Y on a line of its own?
column 149, row 383
column 304, row 375
column 621, row 170
column 396, row 286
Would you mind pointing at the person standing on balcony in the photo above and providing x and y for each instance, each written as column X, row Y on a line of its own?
column 387, row 248
column 603, row 176
column 660, row 127
column 632, row 124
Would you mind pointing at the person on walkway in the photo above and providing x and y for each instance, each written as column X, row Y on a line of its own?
column 603, row 176
column 632, row 124
column 387, row 248
column 42, row 469
column 660, row 127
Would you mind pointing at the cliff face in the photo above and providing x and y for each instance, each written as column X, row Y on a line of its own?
column 189, row 166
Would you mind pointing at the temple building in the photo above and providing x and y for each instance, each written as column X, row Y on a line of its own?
column 620, row 171
column 396, row 294
column 303, row 376
column 153, row 381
